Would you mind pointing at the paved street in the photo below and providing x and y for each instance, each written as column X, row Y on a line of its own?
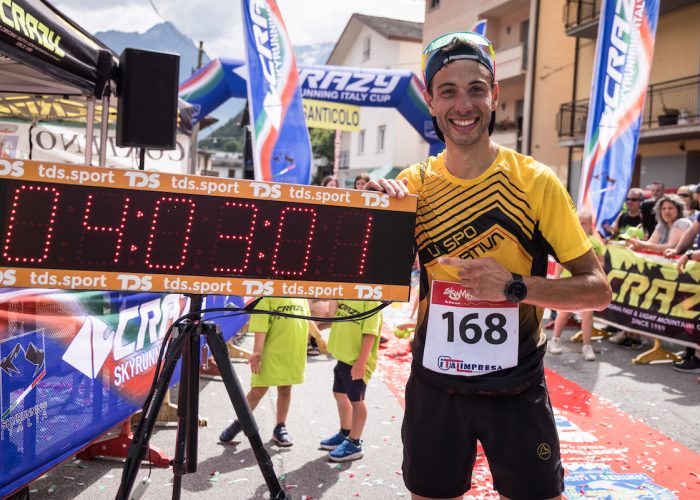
column 655, row 395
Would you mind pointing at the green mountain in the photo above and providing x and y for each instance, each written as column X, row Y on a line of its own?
column 229, row 137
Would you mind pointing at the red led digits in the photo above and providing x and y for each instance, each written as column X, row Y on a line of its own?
column 33, row 204
column 288, row 243
column 348, row 256
column 116, row 230
column 226, row 214
column 172, row 221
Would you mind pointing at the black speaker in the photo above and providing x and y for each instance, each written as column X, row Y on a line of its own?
column 147, row 91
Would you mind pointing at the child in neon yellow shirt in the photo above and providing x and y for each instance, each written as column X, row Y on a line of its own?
column 355, row 345
column 278, row 360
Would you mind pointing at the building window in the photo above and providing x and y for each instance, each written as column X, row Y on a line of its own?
column 231, row 173
column 434, row 4
column 366, row 47
column 381, row 136
column 361, row 142
column 344, row 159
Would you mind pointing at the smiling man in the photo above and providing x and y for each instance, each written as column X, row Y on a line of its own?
column 487, row 219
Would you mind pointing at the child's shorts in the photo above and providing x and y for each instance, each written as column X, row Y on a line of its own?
column 343, row 383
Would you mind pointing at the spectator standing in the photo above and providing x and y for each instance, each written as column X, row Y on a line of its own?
column 361, row 181
column 691, row 360
column 671, row 225
column 278, row 360
column 657, row 189
column 330, row 181
column 355, row 345
column 631, row 217
column 586, row 220
column 685, row 193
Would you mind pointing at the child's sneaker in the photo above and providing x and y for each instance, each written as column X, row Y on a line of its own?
column 346, row 451
column 230, row 432
column 333, row 442
column 281, row 436
column 555, row 346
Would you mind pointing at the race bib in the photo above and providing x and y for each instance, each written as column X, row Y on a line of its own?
column 467, row 336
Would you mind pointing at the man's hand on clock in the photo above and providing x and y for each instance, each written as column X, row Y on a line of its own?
column 484, row 278
column 392, row 187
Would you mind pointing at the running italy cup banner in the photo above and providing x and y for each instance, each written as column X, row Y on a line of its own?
column 223, row 79
column 73, row 365
column 281, row 145
column 623, row 60
column 651, row 297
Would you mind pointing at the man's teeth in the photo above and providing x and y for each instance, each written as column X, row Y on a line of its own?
column 464, row 123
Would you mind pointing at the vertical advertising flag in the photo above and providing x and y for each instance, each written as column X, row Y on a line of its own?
column 623, row 60
column 480, row 27
column 281, row 145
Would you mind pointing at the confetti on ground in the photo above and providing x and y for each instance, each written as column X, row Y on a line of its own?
column 240, row 480
column 214, row 477
column 52, row 488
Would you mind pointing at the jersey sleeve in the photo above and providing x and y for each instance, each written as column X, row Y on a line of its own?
column 558, row 220
column 411, row 173
column 373, row 324
column 260, row 323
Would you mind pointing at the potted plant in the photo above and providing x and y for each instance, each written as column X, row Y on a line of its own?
column 670, row 117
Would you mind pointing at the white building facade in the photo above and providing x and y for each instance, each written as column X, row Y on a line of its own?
column 386, row 140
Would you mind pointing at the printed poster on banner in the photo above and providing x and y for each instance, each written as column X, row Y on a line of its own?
column 624, row 53
column 281, row 144
column 650, row 296
column 467, row 336
column 72, row 366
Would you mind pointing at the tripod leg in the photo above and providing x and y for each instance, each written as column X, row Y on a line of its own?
column 185, row 460
column 139, row 445
column 240, row 405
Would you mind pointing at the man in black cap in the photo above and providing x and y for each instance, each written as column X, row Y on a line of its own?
column 487, row 219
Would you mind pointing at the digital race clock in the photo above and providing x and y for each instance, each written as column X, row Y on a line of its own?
column 78, row 227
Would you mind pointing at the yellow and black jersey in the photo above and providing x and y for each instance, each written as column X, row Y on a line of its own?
column 516, row 212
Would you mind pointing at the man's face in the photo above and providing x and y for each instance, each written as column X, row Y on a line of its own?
column 633, row 200
column 462, row 101
column 657, row 190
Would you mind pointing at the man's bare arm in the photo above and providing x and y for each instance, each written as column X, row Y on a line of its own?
column 586, row 289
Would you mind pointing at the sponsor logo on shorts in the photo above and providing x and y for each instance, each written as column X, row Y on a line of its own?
column 544, row 451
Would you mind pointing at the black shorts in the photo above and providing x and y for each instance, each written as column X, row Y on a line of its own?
column 518, row 434
column 343, row 383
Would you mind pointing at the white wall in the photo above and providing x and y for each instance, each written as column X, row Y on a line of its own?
column 403, row 145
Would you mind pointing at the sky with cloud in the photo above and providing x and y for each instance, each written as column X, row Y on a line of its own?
column 218, row 22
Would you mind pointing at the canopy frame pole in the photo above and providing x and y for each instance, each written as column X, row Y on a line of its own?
column 90, row 129
column 104, row 127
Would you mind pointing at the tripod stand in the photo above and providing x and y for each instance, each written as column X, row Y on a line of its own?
column 185, row 345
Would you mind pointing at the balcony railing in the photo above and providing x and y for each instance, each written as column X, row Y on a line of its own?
column 675, row 102
column 580, row 12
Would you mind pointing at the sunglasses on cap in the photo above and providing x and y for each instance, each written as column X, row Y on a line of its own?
column 486, row 55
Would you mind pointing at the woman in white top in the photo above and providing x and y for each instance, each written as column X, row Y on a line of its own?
column 671, row 224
